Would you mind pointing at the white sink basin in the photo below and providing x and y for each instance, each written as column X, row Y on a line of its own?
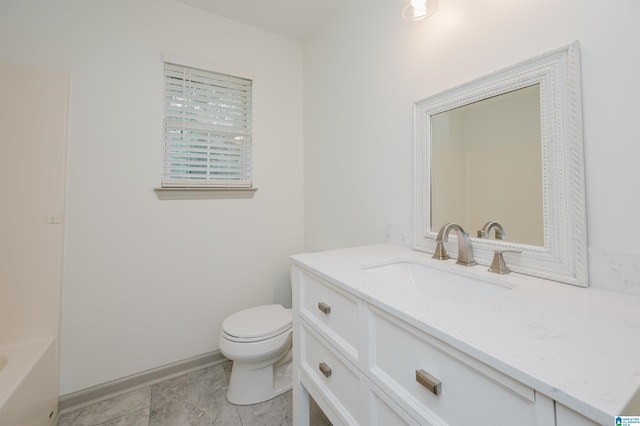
column 462, row 287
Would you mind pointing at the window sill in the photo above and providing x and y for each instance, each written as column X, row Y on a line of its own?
column 203, row 193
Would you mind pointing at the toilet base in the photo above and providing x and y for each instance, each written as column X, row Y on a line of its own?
column 249, row 385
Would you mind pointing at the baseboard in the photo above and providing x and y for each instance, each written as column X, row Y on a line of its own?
column 112, row 388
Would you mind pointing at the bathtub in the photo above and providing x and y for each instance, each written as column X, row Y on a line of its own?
column 29, row 383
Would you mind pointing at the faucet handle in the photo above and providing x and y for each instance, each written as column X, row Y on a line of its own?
column 498, row 265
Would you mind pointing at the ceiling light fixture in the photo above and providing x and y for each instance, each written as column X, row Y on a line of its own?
column 416, row 10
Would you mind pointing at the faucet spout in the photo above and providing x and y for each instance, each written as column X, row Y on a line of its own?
column 485, row 232
column 465, row 254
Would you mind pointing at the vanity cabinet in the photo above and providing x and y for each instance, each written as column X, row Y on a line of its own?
column 376, row 341
column 363, row 365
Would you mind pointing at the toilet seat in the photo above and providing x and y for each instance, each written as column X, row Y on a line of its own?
column 257, row 324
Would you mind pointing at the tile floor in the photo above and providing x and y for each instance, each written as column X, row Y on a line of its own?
column 194, row 399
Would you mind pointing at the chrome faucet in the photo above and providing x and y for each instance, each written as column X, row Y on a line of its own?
column 485, row 232
column 465, row 255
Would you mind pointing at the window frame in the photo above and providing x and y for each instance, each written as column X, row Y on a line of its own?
column 206, row 187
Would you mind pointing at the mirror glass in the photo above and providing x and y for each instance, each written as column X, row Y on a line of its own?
column 507, row 148
column 487, row 166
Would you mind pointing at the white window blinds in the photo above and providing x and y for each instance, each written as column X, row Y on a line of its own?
column 207, row 129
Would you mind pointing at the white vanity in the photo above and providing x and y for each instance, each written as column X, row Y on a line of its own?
column 373, row 347
column 386, row 335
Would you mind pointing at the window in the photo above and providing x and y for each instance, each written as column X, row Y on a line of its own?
column 207, row 129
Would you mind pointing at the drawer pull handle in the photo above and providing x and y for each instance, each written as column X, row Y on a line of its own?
column 325, row 369
column 428, row 381
column 326, row 309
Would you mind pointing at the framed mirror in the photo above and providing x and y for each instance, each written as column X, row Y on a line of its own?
column 507, row 147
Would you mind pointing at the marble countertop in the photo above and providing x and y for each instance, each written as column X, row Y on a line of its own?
column 579, row 346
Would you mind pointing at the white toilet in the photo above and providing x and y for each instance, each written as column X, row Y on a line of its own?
column 258, row 341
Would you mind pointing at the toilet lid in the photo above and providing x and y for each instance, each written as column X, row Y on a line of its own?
column 259, row 321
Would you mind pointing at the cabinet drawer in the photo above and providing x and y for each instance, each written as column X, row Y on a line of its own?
column 331, row 374
column 437, row 384
column 332, row 311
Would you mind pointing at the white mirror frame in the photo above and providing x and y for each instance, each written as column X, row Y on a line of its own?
column 564, row 255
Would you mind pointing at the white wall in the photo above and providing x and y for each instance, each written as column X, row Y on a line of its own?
column 148, row 282
column 367, row 67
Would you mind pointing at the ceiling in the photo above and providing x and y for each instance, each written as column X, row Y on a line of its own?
column 296, row 19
